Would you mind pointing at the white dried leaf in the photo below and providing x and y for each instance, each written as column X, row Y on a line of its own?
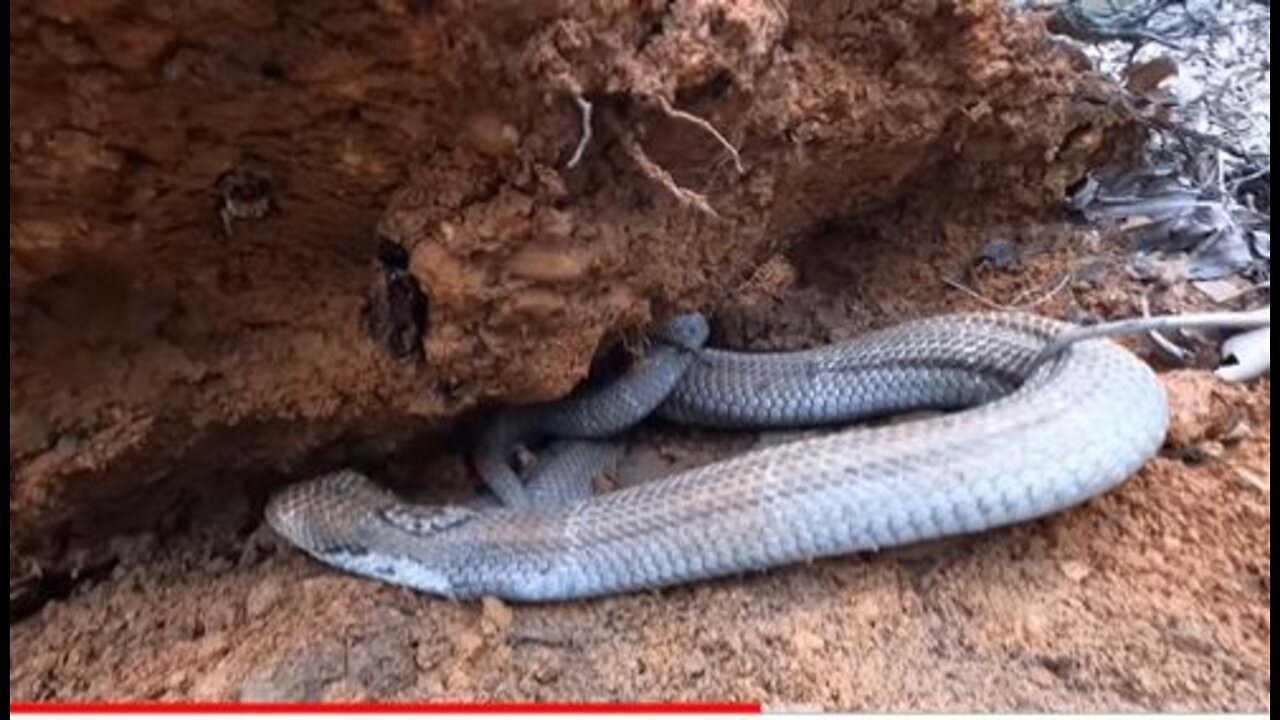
column 1246, row 356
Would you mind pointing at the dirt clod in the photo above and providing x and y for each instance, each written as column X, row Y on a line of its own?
column 1074, row 570
column 496, row 617
column 263, row 597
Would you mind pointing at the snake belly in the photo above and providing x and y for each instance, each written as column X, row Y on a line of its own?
column 1038, row 436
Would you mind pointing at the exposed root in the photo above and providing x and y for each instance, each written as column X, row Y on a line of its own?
column 658, row 174
column 584, row 140
column 1016, row 305
column 707, row 127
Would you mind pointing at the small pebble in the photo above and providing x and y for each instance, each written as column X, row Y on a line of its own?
column 806, row 641
column 1000, row 254
column 1074, row 570
column 263, row 597
column 496, row 616
column 547, row 672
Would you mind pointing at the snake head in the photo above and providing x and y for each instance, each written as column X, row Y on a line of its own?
column 688, row 331
column 347, row 521
column 328, row 511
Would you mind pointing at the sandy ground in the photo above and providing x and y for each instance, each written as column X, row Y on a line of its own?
column 1156, row 596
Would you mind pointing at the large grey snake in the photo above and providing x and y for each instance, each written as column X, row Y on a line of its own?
column 1039, row 434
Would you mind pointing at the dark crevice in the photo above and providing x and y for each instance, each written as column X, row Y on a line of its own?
column 396, row 312
column 28, row 595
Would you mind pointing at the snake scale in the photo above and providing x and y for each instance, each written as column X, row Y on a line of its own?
column 1033, row 435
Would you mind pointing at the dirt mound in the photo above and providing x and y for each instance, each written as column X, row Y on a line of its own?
column 250, row 240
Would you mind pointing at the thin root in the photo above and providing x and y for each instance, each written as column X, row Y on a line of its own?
column 658, row 174
column 584, row 139
column 1046, row 297
column 707, row 127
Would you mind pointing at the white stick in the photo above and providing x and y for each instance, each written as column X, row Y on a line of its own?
column 585, row 139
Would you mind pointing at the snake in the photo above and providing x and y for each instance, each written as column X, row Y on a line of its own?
column 1020, row 435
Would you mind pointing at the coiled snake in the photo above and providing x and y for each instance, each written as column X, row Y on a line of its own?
column 1035, row 435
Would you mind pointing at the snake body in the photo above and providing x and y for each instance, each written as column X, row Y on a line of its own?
column 1039, row 435
column 593, row 412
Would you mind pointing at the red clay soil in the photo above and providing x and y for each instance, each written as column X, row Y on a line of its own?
column 252, row 241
